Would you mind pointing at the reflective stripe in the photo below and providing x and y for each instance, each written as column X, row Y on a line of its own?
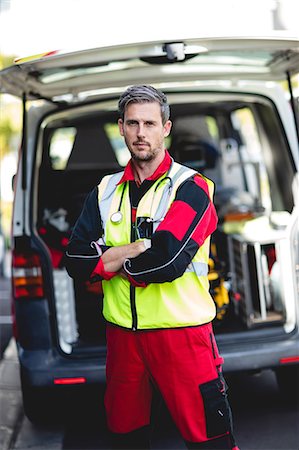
column 106, row 190
column 200, row 268
column 180, row 170
column 161, row 210
column 181, row 174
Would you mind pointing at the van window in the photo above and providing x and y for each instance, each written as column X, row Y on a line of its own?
column 118, row 144
column 61, row 146
column 246, row 160
column 212, row 127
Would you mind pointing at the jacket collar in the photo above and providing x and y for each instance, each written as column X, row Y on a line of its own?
column 161, row 170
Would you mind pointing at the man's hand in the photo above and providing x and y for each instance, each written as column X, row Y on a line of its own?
column 114, row 257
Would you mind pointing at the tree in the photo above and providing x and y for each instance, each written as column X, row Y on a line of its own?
column 6, row 61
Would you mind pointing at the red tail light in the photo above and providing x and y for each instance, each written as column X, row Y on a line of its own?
column 27, row 278
column 271, row 256
column 289, row 360
column 76, row 380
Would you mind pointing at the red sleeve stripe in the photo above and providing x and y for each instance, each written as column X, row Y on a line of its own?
column 177, row 227
column 206, row 226
column 134, row 282
column 100, row 270
column 202, row 184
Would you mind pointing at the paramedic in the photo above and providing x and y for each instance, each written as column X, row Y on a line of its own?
column 144, row 233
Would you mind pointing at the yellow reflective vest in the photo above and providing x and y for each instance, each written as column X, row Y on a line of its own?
column 186, row 301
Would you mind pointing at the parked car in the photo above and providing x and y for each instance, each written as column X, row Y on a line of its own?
column 232, row 122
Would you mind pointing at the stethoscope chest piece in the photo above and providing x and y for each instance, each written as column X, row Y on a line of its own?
column 116, row 217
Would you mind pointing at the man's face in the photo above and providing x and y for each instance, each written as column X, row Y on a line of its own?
column 143, row 130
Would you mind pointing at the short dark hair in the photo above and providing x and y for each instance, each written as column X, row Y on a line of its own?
column 144, row 94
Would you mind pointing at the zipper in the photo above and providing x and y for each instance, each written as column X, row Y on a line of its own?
column 133, row 307
column 132, row 288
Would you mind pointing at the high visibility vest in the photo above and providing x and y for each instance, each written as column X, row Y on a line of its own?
column 186, row 301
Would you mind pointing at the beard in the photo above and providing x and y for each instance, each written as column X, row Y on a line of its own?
column 141, row 156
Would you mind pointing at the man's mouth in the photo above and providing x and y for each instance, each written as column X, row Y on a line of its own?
column 141, row 144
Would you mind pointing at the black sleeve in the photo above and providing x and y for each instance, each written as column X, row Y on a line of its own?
column 81, row 258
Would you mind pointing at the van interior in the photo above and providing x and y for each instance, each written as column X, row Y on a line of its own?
column 234, row 139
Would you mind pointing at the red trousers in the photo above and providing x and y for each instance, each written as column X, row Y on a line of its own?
column 183, row 363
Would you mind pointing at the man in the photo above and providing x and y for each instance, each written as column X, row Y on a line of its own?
column 145, row 233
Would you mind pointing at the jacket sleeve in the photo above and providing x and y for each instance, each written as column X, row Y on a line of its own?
column 81, row 257
column 189, row 221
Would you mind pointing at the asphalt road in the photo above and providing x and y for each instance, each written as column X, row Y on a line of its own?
column 5, row 316
column 263, row 421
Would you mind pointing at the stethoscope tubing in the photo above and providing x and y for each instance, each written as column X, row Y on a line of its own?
column 117, row 216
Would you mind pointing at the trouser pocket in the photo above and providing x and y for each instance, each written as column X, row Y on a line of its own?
column 216, row 406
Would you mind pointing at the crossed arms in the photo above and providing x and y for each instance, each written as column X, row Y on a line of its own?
column 189, row 221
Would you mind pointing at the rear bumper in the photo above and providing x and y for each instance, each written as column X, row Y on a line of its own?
column 249, row 356
column 40, row 368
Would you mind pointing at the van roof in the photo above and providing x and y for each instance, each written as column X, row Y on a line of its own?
column 75, row 75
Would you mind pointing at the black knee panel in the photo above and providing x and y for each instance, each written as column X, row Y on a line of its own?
column 137, row 439
column 221, row 443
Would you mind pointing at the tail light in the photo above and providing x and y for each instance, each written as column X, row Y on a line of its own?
column 27, row 281
column 289, row 359
column 269, row 251
column 76, row 380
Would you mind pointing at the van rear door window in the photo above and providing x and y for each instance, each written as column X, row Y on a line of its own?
column 118, row 144
column 61, row 146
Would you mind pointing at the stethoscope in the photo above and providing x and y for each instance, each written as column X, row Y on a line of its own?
column 117, row 216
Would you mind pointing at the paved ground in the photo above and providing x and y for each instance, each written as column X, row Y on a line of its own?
column 16, row 432
column 262, row 420
column 11, row 411
column 5, row 314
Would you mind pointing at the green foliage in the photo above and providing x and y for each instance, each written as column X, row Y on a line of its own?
column 6, row 61
column 6, row 133
column 9, row 113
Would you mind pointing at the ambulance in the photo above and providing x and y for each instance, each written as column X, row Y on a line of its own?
column 235, row 120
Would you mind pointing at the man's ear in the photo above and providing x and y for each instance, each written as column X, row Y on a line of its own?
column 121, row 126
column 167, row 128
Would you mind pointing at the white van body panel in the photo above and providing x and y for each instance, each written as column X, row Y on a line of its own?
column 20, row 224
column 118, row 66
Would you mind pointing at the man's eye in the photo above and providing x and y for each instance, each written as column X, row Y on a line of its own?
column 149, row 124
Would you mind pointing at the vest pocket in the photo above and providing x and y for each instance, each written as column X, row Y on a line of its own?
column 216, row 406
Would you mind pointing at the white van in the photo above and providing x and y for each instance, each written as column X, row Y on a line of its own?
column 232, row 121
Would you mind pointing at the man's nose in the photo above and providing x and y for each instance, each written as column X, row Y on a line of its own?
column 140, row 130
